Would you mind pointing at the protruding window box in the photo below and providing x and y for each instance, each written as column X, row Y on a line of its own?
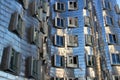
column 88, row 40
column 85, row 4
column 109, row 21
column 17, row 25
column 72, row 41
column 25, row 3
column 72, row 61
column 45, row 6
column 117, row 9
column 72, row 22
column 90, row 60
column 33, row 68
column 72, row 5
column 87, row 21
column 115, row 59
column 116, row 77
column 56, row 78
column 34, row 36
column 119, row 22
column 106, row 5
column 59, row 7
column 59, row 22
column 59, row 41
column 11, row 60
column 71, row 79
column 112, row 39
column 58, row 61
column 33, row 8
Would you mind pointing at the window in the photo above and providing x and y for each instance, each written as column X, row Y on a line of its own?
column 90, row 60
column 109, row 21
column 119, row 22
column 115, row 77
column 45, row 6
column 59, row 41
column 72, row 5
column 55, row 78
column 58, row 61
column 34, row 36
column 85, row 4
column 115, row 59
column 72, row 61
column 39, row 14
column 106, row 5
column 112, row 39
column 59, row 22
column 89, row 5
column 11, row 60
column 60, row 7
column 45, row 27
column 72, row 41
column 16, row 24
column 33, row 8
column 33, row 68
column 24, row 3
column 71, row 79
column 117, row 9
column 72, row 22
column 88, row 40
column 87, row 20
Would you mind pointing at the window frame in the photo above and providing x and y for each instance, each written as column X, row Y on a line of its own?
column 56, row 7
column 10, row 55
column 33, row 68
column 109, row 21
column 74, row 21
column 106, row 5
column 34, row 36
column 88, row 42
column 117, row 62
column 59, row 40
column 56, row 23
column 58, row 63
column 91, row 61
column 116, row 76
column 72, row 6
column 87, row 21
column 16, row 25
column 70, row 61
column 72, row 41
column 117, row 9
column 112, row 39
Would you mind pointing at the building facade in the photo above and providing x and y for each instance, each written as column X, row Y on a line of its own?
column 59, row 40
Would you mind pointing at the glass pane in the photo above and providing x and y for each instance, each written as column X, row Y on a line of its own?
column 34, row 68
column 113, row 59
column 116, row 78
column 111, row 38
column 57, row 40
column 114, row 39
column 58, row 60
column 89, row 60
column 62, row 6
column 58, row 21
column 58, row 5
column 62, row 23
column 75, row 5
column 13, row 62
column 75, row 60
column 61, row 41
column 70, row 59
column 70, row 20
column 117, row 59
